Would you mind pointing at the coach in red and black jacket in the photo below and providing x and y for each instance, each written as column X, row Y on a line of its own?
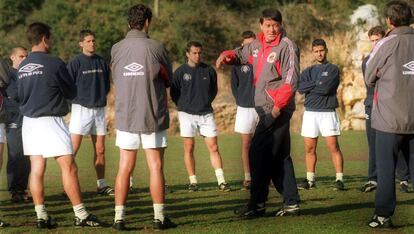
column 275, row 60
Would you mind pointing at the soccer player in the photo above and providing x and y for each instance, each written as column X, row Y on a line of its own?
column 44, row 85
column 91, row 75
column 402, row 171
column 193, row 89
column 141, row 71
column 18, row 166
column 275, row 60
column 319, row 84
column 390, row 70
column 242, row 88
column 4, row 81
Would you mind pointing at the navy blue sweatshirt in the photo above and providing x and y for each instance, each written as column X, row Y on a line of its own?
column 242, row 85
column 370, row 89
column 12, row 101
column 319, row 84
column 193, row 89
column 91, row 75
column 44, row 85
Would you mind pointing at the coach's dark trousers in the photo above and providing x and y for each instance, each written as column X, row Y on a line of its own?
column 402, row 170
column 269, row 158
column 387, row 148
column 18, row 165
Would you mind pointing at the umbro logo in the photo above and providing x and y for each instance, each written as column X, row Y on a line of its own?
column 410, row 67
column 133, row 69
column 245, row 68
column 30, row 67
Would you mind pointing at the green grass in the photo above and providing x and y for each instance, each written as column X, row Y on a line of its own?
column 211, row 211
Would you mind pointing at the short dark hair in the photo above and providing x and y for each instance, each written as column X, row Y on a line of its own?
column 248, row 34
column 84, row 33
column 377, row 30
column 192, row 44
column 137, row 16
column 272, row 14
column 319, row 42
column 399, row 13
column 36, row 31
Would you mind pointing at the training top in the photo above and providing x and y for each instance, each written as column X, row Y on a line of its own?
column 91, row 76
column 141, row 71
column 276, row 70
column 44, row 85
column 390, row 69
column 242, row 85
column 193, row 89
column 319, row 84
column 11, row 100
column 4, row 81
column 370, row 90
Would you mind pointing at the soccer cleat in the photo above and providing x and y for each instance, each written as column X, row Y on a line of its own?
column 288, row 210
column 339, row 185
column 119, row 225
column 49, row 223
column 16, row 197
column 192, row 187
column 246, row 185
column 380, row 222
column 369, row 187
column 90, row 221
column 105, row 191
column 3, row 224
column 224, row 187
column 250, row 211
column 404, row 187
column 306, row 184
column 167, row 223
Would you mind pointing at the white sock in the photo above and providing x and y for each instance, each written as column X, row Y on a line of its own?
column 159, row 211
column 131, row 181
column 193, row 179
column 119, row 213
column 80, row 211
column 101, row 183
column 404, row 182
column 340, row 176
column 41, row 212
column 220, row 176
column 310, row 176
column 247, row 177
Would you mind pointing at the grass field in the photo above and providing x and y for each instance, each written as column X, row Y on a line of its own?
column 211, row 211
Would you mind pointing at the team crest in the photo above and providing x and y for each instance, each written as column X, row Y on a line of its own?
column 245, row 69
column 271, row 58
column 255, row 53
column 187, row 77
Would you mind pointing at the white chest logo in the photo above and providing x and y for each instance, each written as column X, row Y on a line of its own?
column 30, row 67
column 245, row 69
column 187, row 77
column 271, row 58
column 324, row 73
column 255, row 53
column 410, row 67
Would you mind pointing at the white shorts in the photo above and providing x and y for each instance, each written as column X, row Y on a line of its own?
column 246, row 120
column 132, row 141
column 191, row 124
column 3, row 133
column 46, row 136
column 87, row 121
column 323, row 123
